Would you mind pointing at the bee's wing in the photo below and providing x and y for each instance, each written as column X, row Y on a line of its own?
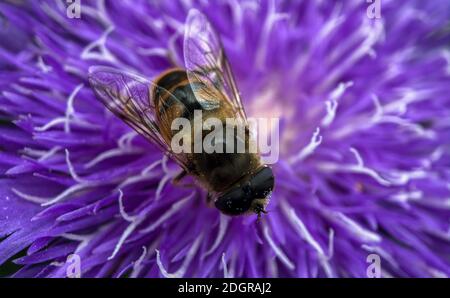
column 206, row 62
column 128, row 96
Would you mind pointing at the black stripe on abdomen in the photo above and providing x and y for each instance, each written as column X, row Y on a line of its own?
column 172, row 78
column 181, row 95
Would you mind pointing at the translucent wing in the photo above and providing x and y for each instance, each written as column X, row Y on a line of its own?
column 206, row 62
column 128, row 96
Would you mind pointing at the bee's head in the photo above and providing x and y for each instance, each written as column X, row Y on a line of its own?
column 250, row 196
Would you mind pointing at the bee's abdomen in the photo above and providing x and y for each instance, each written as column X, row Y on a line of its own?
column 174, row 96
column 182, row 95
column 171, row 78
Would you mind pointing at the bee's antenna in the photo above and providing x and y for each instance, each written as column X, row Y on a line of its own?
column 258, row 212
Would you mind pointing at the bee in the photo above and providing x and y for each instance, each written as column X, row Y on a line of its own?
column 237, row 183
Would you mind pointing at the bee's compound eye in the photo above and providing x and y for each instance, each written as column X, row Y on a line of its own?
column 234, row 202
column 246, row 188
column 262, row 183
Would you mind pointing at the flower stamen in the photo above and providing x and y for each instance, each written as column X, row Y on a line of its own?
column 137, row 266
column 224, row 266
column 103, row 53
column 173, row 209
column 281, row 255
column 182, row 270
column 316, row 140
column 122, row 209
column 223, row 224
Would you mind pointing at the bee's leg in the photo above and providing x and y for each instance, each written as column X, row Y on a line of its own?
column 258, row 211
column 177, row 180
column 208, row 197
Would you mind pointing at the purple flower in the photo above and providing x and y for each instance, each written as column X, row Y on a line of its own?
column 365, row 141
